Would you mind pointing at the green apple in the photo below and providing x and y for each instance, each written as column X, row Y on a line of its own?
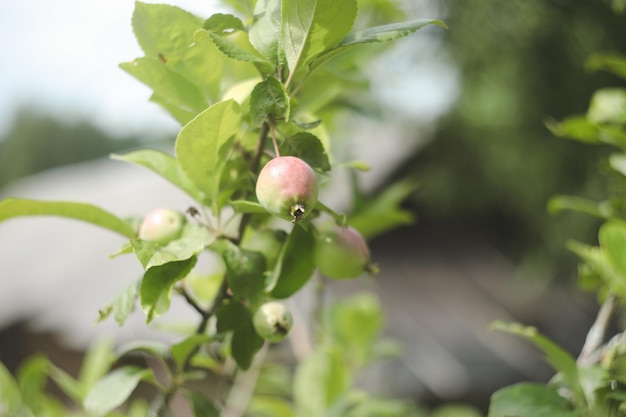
column 272, row 321
column 341, row 252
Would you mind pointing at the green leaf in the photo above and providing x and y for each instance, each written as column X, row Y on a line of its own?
column 15, row 207
column 575, row 127
column 295, row 264
column 617, row 161
column 612, row 238
column 192, row 241
column 70, row 386
column 560, row 359
column 234, row 51
column 96, row 363
column 166, row 33
column 319, row 380
column 269, row 99
column 384, row 33
column 122, row 305
column 383, row 212
column 202, row 406
column 265, row 29
column 182, row 116
column 608, row 105
column 355, row 324
column 611, row 62
column 309, row 28
column 560, row 203
column 115, row 388
column 244, row 270
column 10, row 396
column 202, row 143
column 181, row 350
column 153, row 348
column 270, row 406
column 529, row 400
column 157, row 285
column 168, row 85
column 165, row 165
column 307, row 147
column 31, row 378
column 221, row 23
column 599, row 262
column 245, row 342
column 245, row 206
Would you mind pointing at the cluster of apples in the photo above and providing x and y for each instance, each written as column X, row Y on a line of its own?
column 286, row 187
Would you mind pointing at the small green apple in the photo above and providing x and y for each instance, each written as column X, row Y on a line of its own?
column 265, row 241
column 162, row 226
column 341, row 252
column 272, row 321
column 287, row 187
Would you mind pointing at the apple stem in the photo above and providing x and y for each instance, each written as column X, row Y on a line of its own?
column 274, row 142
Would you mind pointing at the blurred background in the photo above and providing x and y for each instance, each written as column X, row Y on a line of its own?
column 462, row 113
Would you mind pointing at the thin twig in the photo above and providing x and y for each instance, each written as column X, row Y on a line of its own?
column 597, row 333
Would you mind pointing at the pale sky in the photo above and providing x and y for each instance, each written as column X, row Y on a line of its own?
column 63, row 56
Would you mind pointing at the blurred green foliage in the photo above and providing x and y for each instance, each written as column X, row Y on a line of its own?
column 493, row 164
column 36, row 142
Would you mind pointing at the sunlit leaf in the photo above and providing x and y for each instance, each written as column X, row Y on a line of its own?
column 165, row 165
column 16, row 207
column 166, row 33
column 384, row 33
column 220, row 23
column 608, row 105
column 192, row 241
column 309, row 28
column 167, row 84
column 199, row 145
column 265, row 29
column 234, row 51
column 617, row 161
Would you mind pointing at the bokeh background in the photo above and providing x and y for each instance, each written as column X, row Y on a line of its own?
column 462, row 114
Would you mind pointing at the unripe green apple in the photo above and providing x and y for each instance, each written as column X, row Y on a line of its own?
column 266, row 241
column 341, row 252
column 272, row 321
column 162, row 226
column 287, row 187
